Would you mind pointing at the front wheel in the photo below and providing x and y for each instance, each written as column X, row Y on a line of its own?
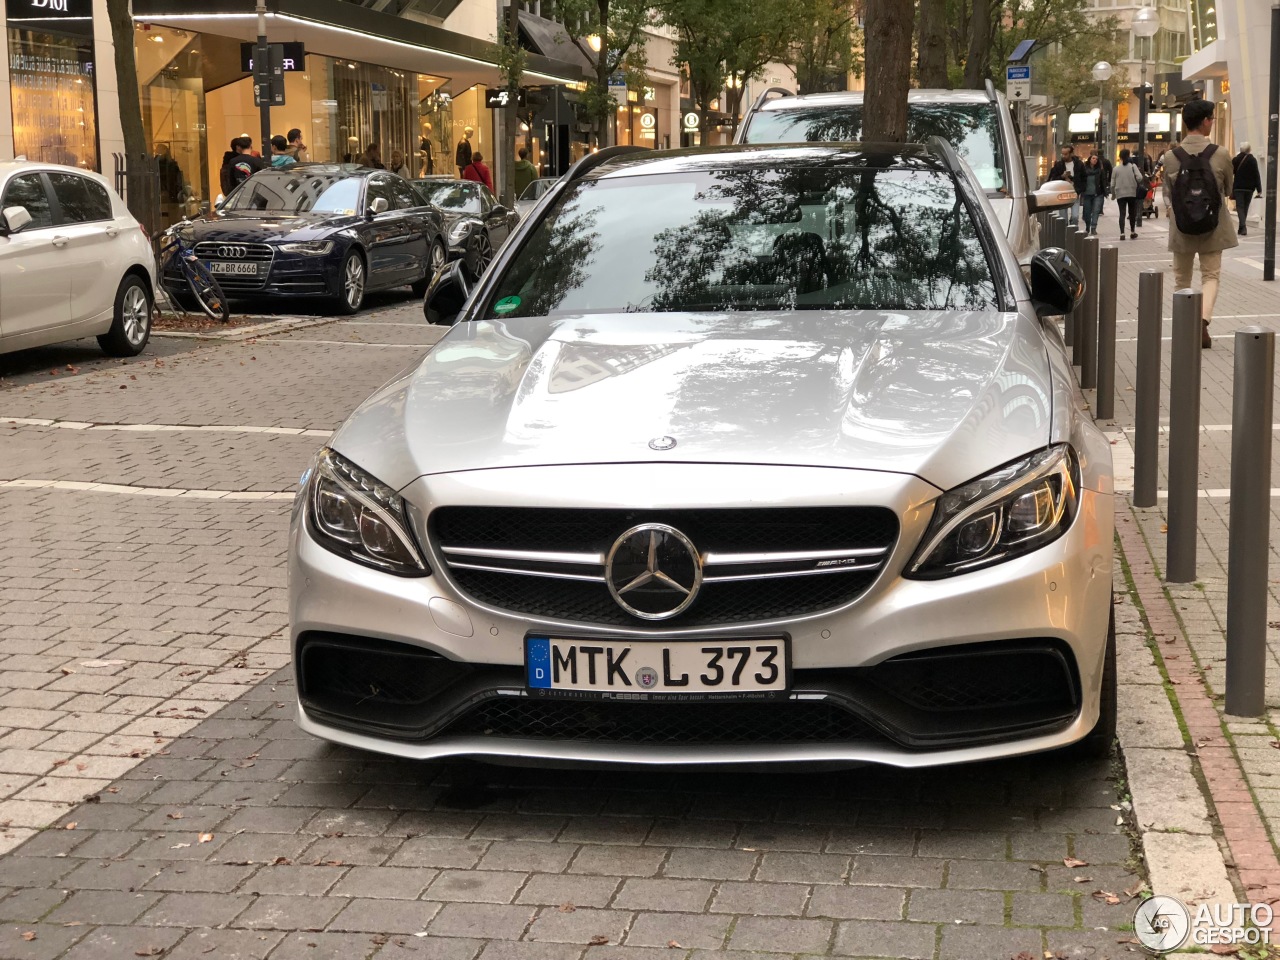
column 131, row 327
column 207, row 292
column 353, row 282
column 435, row 260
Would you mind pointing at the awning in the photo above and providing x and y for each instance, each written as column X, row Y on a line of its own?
column 552, row 40
column 336, row 29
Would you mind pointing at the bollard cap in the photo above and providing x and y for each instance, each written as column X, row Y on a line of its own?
column 1255, row 331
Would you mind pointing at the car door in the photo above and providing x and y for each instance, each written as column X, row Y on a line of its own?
column 495, row 216
column 388, row 235
column 419, row 234
column 83, row 215
column 34, row 293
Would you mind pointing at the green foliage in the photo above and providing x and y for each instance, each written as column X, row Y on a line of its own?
column 1053, row 23
column 510, row 57
column 620, row 25
column 824, row 38
column 1067, row 73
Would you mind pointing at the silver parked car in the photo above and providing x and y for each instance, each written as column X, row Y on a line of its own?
column 737, row 455
column 976, row 122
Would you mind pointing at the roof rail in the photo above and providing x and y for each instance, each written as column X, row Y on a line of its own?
column 764, row 97
column 991, row 92
column 593, row 160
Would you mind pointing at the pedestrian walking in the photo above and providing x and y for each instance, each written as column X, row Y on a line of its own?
column 280, row 155
column 1248, row 183
column 1127, row 187
column 297, row 149
column 1070, row 169
column 477, row 171
column 1095, row 184
column 373, row 157
column 398, row 166
column 239, row 164
column 524, row 172
column 1197, row 181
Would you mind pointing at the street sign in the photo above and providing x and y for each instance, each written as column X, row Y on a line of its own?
column 292, row 57
column 1017, row 82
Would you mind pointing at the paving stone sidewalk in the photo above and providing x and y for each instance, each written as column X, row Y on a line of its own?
column 1236, row 756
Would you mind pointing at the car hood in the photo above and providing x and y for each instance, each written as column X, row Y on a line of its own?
column 944, row 396
column 265, row 227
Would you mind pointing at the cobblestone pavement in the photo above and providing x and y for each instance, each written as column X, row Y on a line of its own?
column 1235, row 756
column 156, row 798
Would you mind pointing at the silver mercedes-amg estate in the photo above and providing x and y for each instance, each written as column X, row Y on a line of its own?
column 732, row 456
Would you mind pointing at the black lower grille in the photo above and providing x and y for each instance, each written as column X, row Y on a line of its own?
column 662, row 723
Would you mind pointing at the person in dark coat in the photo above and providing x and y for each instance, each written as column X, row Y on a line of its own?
column 239, row 164
column 1248, row 184
column 1070, row 168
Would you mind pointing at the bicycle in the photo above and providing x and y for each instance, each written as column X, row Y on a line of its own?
column 177, row 257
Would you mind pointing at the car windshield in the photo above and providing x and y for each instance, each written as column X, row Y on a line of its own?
column 796, row 238
column 297, row 192
column 451, row 196
column 535, row 190
column 972, row 128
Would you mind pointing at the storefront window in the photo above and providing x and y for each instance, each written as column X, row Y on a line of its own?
column 54, row 97
column 173, row 117
column 471, row 121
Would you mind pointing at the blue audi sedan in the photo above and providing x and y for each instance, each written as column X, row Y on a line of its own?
column 319, row 230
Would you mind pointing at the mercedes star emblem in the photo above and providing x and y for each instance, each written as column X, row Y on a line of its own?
column 662, row 443
column 653, row 571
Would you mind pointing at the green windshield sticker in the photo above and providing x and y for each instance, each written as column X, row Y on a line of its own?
column 506, row 305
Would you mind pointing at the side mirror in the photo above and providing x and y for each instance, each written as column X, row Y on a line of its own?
column 379, row 205
column 498, row 210
column 1057, row 282
column 1053, row 195
column 13, row 219
column 447, row 293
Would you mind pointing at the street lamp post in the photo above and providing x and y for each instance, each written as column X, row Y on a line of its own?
column 1145, row 25
column 1102, row 73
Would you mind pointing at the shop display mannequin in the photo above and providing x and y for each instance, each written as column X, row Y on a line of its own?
column 462, row 156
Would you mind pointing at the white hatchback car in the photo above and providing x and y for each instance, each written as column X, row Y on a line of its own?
column 73, row 262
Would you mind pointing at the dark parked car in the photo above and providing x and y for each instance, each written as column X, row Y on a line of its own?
column 476, row 224
column 326, row 230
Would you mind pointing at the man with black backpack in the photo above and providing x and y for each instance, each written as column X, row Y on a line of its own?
column 1197, row 181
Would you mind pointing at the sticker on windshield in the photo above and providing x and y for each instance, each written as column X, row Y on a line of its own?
column 506, row 305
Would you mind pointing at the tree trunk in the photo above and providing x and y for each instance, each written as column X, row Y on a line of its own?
column 977, row 64
column 141, row 194
column 888, row 32
column 932, row 45
column 602, row 74
column 512, row 111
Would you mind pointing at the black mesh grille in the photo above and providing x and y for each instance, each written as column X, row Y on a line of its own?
column 975, row 677
column 663, row 723
column 374, row 673
column 729, row 531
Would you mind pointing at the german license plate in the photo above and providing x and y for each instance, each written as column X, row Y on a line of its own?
column 234, row 269
column 641, row 670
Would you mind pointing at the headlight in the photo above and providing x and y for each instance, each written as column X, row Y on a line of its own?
column 1011, row 511
column 458, row 231
column 308, row 248
column 361, row 518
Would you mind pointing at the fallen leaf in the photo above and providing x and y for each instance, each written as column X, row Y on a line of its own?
column 175, row 816
column 1134, row 890
column 72, row 825
column 567, row 908
column 29, row 936
column 1225, row 949
column 674, row 945
column 1106, row 896
column 149, row 952
column 82, row 767
column 1072, row 862
column 206, row 837
column 599, row 940
column 282, row 862
column 1083, row 879
column 113, row 789
column 1037, row 868
column 1164, row 528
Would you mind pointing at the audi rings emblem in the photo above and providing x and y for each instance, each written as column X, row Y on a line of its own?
column 653, row 571
column 228, row 251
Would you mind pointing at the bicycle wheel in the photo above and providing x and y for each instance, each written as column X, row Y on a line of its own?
column 205, row 287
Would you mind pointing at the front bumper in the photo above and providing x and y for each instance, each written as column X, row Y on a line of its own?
column 286, row 275
column 1057, row 599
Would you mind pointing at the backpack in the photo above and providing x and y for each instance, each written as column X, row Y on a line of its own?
column 1196, row 197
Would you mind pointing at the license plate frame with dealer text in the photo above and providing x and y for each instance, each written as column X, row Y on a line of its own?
column 594, row 668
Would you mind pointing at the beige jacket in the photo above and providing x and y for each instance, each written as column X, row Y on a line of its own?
column 1225, row 235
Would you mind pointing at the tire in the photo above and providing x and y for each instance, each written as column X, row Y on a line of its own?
column 208, row 294
column 354, row 278
column 1097, row 745
column 131, row 326
column 436, row 259
column 481, row 253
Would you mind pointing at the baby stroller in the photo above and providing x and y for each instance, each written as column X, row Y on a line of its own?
column 1149, row 206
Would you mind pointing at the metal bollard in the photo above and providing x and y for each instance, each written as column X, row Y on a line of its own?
column 1250, row 527
column 1184, row 437
column 1108, row 273
column 1087, row 321
column 1146, row 432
